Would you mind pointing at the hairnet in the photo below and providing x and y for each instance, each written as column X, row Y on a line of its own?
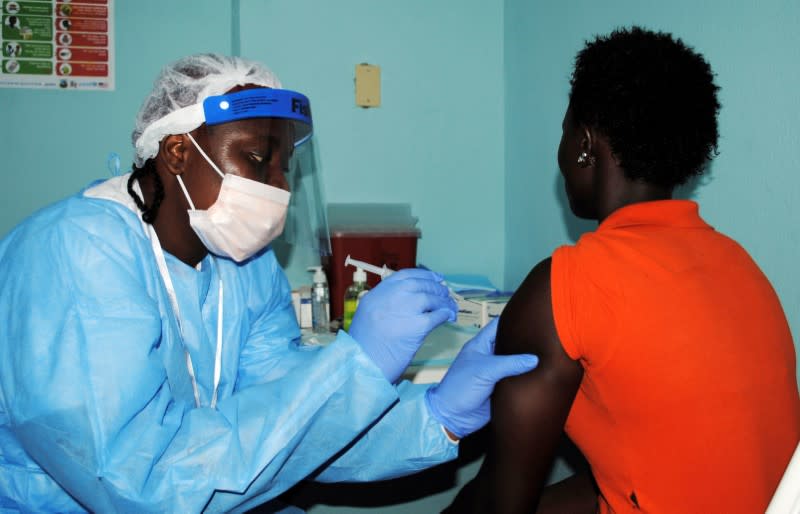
column 175, row 105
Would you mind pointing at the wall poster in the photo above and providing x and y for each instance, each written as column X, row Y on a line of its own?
column 57, row 44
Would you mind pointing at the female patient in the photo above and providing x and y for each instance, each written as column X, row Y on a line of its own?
column 664, row 351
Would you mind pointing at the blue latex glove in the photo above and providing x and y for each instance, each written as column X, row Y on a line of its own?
column 460, row 401
column 392, row 319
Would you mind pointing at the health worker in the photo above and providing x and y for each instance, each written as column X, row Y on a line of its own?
column 151, row 359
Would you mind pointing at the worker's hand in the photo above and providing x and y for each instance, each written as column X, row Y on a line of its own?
column 392, row 319
column 460, row 402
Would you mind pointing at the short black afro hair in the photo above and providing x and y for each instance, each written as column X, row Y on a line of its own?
column 654, row 98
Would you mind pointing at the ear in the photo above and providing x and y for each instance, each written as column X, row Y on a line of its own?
column 587, row 139
column 173, row 152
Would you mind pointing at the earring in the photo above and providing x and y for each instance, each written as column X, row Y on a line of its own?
column 585, row 160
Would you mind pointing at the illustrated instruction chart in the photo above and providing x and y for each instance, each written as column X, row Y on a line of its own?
column 59, row 44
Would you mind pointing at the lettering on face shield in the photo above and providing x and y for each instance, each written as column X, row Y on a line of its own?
column 299, row 106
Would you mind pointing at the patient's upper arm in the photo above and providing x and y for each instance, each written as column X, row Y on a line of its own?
column 529, row 411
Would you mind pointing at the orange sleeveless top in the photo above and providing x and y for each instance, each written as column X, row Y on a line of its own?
column 689, row 399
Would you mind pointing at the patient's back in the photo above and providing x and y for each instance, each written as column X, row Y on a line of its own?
column 689, row 399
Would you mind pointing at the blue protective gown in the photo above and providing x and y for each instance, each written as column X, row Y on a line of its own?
column 97, row 410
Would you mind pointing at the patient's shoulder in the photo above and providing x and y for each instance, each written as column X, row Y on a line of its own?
column 527, row 324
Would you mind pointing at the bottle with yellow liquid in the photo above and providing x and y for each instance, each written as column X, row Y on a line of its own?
column 353, row 294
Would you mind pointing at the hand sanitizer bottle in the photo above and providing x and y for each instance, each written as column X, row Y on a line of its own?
column 353, row 294
column 320, row 301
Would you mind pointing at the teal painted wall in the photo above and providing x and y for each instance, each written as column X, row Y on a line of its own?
column 753, row 190
column 53, row 143
column 436, row 141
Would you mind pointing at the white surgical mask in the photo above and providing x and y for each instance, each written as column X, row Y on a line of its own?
column 244, row 219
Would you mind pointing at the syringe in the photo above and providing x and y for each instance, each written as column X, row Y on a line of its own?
column 385, row 272
column 381, row 272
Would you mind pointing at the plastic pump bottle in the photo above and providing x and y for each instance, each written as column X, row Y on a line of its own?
column 320, row 301
column 353, row 294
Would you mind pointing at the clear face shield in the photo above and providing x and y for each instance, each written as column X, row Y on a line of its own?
column 306, row 221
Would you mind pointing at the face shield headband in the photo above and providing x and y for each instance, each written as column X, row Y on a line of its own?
column 262, row 103
column 248, row 103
